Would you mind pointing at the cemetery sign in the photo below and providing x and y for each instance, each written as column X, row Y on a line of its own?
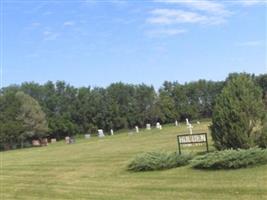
column 192, row 140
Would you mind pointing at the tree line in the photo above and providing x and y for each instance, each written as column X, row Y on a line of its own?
column 33, row 110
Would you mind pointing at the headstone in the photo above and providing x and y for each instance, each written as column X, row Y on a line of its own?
column 111, row 132
column 176, row 123
column 44, row 142
column 190, row 127
column 72, row 140
column 7, row 147
column 36, row 143
column 53, row 140
column 198, row 122
column 100, row 133
column 148, row 127
column 187, row 121
column 67, row 140
column 136, row 129
column 158, row 125
column 87, row 136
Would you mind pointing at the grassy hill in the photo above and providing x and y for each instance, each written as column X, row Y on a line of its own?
column 96, row 169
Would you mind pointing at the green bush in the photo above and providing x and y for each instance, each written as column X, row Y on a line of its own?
column 231, row 159
column 157, row 160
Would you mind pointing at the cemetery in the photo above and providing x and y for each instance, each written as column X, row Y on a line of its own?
column 155, row 158
column 92, row 166
column 133, row 100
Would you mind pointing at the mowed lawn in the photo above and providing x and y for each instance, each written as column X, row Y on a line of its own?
column 96, row 169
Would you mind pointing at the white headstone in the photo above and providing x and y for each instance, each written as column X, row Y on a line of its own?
column 187, row 121
column 148, row 127
column 136, row 129
column 158, row 125
column 176, row 123
column 87, row 136
column 198, row 122
column 67, row 140
column 111, row 132
column 53, row 140
column 100, row 133
column 190, row 127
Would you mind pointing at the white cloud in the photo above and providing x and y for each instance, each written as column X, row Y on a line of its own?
column 94, row 2
column 69, row 23
column 174, row 16
column 48, row 35
column 165, row 32
column 203, row 5
column 251, row 2
column 253, row 43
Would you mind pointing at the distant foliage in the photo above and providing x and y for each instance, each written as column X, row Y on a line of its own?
column 21, row 119
column 157, row 160
column 239, row 114
column 73, row 110
column 231, row 159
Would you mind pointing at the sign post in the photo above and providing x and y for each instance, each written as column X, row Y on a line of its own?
column 192, row 139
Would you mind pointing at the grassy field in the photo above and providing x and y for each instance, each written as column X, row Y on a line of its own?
column 96, row 169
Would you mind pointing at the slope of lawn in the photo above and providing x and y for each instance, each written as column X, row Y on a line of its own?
column 96, row 169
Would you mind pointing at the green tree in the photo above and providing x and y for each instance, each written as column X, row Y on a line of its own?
column 32, row 117
column 238, row 114
column 10, row 126
column 21, row 118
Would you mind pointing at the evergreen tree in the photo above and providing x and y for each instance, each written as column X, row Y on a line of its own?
column 238, row 114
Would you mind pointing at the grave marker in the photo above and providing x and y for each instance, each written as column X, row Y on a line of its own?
column 100, row 133
column 72, row 140
column 190, row 127
column 53, row 140
column 158, row 125
column 44, row 142
column 187, row 121
column 67, row 139
column 36, row 143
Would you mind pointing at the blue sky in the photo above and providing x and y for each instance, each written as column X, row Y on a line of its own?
column 99, row 42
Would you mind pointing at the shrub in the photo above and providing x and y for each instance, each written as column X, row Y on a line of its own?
column 231, row 159
column 238, row 115
column 157, row 160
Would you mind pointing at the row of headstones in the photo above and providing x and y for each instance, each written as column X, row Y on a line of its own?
column 148, row 127
column 43, row 142
column 101, row 132
column 158, row 126
column 71, row 140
